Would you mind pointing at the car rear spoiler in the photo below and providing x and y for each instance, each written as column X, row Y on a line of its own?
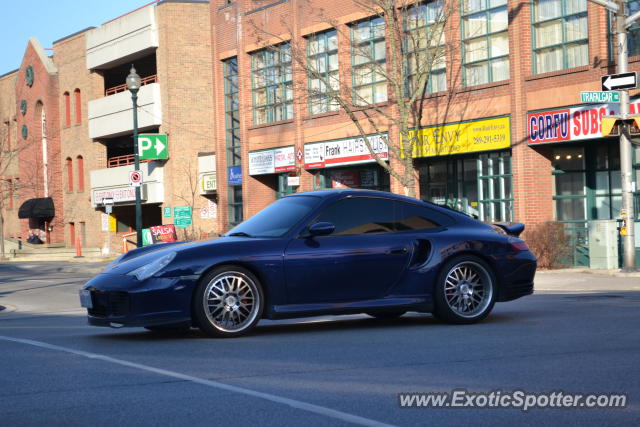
column 511, row 228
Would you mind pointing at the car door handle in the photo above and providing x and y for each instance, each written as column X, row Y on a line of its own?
column 398, row 251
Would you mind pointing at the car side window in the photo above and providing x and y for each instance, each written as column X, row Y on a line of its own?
column 412, row 216
column 360, row 215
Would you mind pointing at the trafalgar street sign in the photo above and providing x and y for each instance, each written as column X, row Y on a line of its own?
column 152, row 146
column 600, row 97
column 619, row 81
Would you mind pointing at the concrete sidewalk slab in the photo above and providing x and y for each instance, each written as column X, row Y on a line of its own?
column 585, row 280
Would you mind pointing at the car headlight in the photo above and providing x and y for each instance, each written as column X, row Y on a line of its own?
column 152, row 268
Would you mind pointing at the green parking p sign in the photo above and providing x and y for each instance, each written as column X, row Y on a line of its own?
column 152, row 146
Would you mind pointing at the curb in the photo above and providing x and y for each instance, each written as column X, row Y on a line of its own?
column 611, row 273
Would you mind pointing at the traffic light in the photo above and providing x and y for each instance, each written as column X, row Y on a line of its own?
column 613, row 125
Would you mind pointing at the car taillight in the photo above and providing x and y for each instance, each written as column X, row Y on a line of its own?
column 519, row 246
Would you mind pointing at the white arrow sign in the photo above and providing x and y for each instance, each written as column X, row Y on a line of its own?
column 619, row 81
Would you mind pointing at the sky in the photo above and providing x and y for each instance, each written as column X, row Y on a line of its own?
column 51, row 20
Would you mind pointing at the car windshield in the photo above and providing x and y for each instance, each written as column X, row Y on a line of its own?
column 276, row 219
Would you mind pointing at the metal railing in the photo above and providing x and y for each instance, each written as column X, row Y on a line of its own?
column 123, row 87
column 128, row 159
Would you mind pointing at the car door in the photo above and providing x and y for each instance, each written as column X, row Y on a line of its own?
column 361, row 259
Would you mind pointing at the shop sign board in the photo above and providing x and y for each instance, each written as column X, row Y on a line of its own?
column 572, row 124
column 463, row 137
column 163, row 233
column 273, row 160
column 234, row 175
column 342, row 152
column 119, row 195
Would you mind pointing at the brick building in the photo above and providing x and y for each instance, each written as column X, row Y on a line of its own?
column 243, row 132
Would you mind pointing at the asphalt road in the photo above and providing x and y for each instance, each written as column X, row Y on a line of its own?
column 580, row 334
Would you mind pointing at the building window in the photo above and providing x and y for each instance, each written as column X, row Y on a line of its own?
column 80, row 166
column 479, row 185
column 67, row 109
column 272, row 84
column 368, row 59
column 235, row 205
column 69, row 168
column 424, row 45
column 633, row 35
column 78, row 100
column 283, row 186
column 232, row 132
column 322, row 58
column 495, row 194
column 560, row 34
column 232, row 111
column 485, row 41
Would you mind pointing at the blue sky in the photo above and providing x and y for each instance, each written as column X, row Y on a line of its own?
column 50, row 20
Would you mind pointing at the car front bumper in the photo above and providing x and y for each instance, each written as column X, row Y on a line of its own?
column 119, row 300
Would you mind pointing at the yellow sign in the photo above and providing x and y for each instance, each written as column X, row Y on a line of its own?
column 464, row 137
column 112, row 223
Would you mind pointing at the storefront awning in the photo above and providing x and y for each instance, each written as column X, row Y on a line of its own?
column 37, row 208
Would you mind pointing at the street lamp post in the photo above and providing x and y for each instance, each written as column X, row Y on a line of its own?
column 133, row 84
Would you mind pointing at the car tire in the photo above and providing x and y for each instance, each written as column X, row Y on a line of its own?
column 228, row 302
column 390, row 314
column 465, row 291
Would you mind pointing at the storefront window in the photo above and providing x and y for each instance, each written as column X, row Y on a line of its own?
column 235, row 204
column 284, row 188
column 570, row 183
column 370, row 178
column 478, row 185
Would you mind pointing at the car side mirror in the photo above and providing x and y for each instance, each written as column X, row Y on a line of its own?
column 321, row 229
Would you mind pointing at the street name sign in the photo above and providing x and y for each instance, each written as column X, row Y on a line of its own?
column 152, row 146
column 600, row 97
column 182, row 216
column 619, row 81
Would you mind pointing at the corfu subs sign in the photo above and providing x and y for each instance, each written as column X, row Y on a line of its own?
column 571, row 124
column 273, row 160
column 348, row 151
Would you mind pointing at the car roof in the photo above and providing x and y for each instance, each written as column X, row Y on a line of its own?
column 345, row 192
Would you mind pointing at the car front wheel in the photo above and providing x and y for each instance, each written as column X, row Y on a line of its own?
column 228, row 302
column 465, row 291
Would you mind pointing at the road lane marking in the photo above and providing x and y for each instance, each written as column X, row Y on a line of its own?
column 309, row 407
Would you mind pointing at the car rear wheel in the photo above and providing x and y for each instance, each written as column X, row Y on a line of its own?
column 228, row 302
column 465, row 291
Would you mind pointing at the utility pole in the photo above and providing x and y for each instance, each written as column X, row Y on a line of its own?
column 622, row 22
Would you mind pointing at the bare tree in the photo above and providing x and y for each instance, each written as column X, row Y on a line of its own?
column 10, row 187
column 189, row 195
column 397, row 60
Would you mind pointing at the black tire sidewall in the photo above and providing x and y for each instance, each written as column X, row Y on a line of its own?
column 442, row 310
column 198, row 307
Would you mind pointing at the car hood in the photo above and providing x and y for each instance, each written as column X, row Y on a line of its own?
column 136, row 258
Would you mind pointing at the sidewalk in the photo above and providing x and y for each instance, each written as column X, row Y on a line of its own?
column 49, row 267
column 585, row 280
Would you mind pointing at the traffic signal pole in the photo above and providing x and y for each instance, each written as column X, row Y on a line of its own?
column 622, row 22
column 626, row 168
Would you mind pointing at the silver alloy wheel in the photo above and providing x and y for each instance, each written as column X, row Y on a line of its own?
column 231, row 301
column 468, row 289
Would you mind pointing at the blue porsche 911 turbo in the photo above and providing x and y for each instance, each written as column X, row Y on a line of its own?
column 317, row 253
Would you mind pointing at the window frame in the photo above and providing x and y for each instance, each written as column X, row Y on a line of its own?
column 563, row 18
column 382, row 63
column 280, row 89
column 487, row 10
column 325, row 100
